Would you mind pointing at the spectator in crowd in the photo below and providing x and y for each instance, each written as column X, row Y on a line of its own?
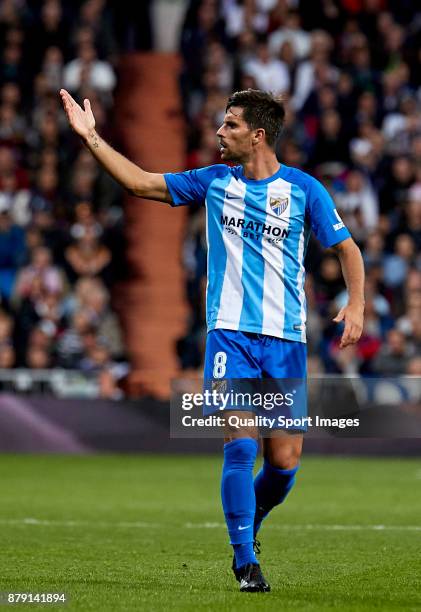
column 269, row 73
column 9, row 166
column 7, row 357
column 94, row 16
column 373, row 250
column 393, row 356
column 6, row 329
column 314, row 70
column 52, row 68
column 12, row 250
column 39, row 339
column 293, row 33
column 70, row 346
column 97, row 358
column 330, row 145
column 40, row 267
column 87, row 256
column 397, row 265
column 358, row 205
column 396, row 187
column 102, row 317
column 412, row 221
column 329, row 281
column 88, row 71
column 37, row 358
column 413, row 367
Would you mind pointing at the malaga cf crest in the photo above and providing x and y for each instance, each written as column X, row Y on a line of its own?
column 278, row 205
column 220, row 386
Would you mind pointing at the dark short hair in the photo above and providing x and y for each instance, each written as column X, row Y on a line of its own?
column 261, row 109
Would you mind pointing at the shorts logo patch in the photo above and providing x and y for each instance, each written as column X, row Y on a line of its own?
column 278, row 205
column 220, row 386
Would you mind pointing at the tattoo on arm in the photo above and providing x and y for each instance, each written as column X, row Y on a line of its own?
column 94, row 139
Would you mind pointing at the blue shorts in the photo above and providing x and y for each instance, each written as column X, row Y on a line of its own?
column 270, row 365
column 237, row 354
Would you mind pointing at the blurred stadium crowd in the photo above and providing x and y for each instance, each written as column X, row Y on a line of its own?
column 349, row 72
column 60, row 216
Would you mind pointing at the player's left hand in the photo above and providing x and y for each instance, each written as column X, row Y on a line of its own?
column 353, row 317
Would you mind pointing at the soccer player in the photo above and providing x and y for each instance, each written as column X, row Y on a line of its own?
column 259, row 217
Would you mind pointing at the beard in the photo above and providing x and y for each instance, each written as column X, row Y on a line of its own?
column 229, row 156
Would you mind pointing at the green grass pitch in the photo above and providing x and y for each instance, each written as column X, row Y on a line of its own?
column 146, row 533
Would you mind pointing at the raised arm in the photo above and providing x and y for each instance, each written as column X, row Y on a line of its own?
column 138, row 182
column 353, row 271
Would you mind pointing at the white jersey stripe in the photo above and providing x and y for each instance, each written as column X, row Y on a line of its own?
column 232, row 289
column 272, row 252
column 300, row 286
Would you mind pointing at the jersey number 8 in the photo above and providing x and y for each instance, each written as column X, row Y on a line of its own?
column 219, row 364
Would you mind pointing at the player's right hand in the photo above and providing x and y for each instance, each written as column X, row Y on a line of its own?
column 82, row 121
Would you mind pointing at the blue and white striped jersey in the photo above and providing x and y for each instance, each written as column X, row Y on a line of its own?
column 257, row 232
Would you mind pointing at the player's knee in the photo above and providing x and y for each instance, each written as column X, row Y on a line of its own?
column 285, row 458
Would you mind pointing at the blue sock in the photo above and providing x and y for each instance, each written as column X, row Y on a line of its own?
column 238, row 499
column 271, row 487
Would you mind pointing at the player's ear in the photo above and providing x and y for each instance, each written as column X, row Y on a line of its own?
column 258, row 136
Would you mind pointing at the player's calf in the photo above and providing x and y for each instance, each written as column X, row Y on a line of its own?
column 238, row 499
column 271, row 486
